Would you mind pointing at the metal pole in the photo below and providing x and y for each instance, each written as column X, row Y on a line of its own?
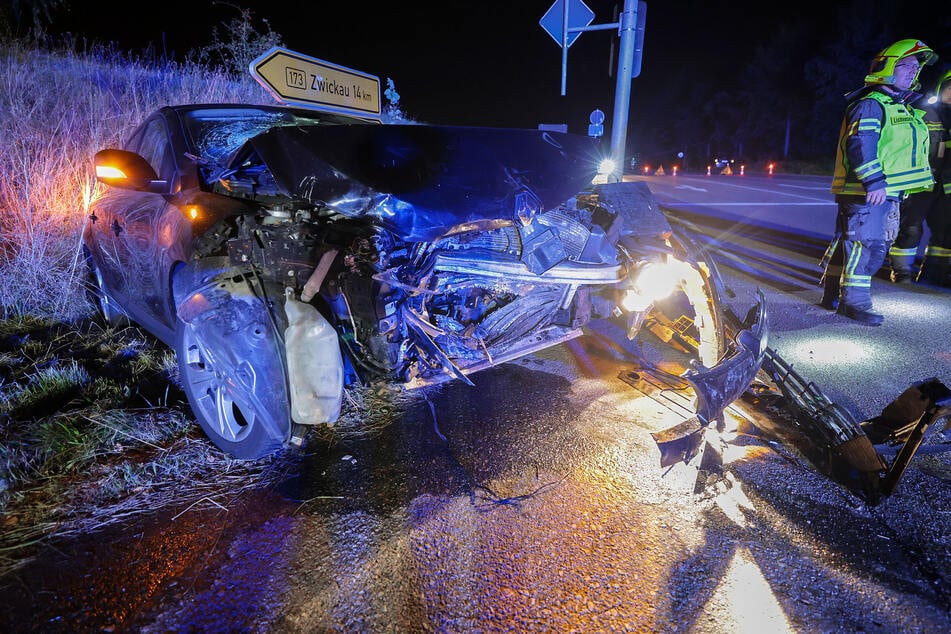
column 627, row 30
column 564, row 49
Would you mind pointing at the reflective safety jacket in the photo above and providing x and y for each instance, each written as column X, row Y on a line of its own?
column 883, row 142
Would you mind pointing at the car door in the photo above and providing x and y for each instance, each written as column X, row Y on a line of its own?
column 131, row 227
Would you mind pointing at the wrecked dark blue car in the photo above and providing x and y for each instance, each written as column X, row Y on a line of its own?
column 286, row 253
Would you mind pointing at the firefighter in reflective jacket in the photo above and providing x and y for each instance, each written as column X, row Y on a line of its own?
column 882, row 157
column 933, row 207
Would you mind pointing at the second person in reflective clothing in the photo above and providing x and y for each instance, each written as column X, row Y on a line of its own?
column 931, row 207
column 882, row 157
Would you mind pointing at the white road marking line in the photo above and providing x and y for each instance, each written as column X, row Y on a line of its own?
column 745, row 204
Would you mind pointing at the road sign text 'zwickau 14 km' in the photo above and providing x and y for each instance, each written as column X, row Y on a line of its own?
column 307, row 81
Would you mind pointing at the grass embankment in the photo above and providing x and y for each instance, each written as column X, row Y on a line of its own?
column 92, row 430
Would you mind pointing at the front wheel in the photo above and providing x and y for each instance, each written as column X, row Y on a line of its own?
column 231, row 366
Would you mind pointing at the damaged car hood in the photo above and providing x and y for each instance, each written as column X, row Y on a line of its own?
column 423, row 180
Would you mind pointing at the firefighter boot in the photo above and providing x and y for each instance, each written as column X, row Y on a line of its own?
column 830, row 293
column 936, row 267
column 862, row 315
column 901, row 265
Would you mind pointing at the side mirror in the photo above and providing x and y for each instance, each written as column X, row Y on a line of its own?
column 128, row 170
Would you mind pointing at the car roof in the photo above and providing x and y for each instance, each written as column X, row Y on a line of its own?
column 218, row 111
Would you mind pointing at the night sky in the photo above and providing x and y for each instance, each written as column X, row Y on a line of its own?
column 486, row 63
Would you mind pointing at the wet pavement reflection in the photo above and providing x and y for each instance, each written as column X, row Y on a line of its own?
column 531, row 502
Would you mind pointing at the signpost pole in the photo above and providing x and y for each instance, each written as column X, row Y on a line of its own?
column 622, row 93
column 575, row 18
column 564, row 48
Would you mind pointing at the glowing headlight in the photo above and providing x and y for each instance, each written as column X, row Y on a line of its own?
column 606, row 167
column 606, row 171
column 651, row 282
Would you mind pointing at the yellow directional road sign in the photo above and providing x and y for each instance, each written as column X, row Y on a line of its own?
column 302, row 80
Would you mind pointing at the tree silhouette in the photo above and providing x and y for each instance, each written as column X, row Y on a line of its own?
column 27, row 17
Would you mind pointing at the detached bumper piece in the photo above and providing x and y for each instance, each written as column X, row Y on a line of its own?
column 802, row 419
column 844, row 450
column 907, row 419
column 725, row 382
column 822, row 432
column 716, row 388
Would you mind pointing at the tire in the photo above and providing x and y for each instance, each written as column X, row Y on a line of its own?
column 232, row 369
column 106, row 309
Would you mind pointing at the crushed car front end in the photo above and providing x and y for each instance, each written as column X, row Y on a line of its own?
column 439, row 252
column 334, row 252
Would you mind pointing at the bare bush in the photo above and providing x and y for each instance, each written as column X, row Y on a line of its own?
column 56, row 109
column 237, row 43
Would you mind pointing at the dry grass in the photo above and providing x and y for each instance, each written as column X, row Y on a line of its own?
column 84, row 440
column 94, row 429
column 89, row 100
column 125, row 481
column 101, row 433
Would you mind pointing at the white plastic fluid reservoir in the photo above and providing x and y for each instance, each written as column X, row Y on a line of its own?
column 314, row 365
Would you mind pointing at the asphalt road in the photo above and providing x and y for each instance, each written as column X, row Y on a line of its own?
column 544, row 509
column 770, row 232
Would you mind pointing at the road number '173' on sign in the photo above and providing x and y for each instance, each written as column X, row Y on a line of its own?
column 298, row 79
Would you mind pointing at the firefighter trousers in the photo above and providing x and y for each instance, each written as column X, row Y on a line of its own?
column 860, row 251
column 904, row 249
column 936, row 267
column 934, row 209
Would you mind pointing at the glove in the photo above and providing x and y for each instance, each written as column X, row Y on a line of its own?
column 892, row 221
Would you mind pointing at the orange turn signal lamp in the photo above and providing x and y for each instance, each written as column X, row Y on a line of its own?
column 109, row 171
